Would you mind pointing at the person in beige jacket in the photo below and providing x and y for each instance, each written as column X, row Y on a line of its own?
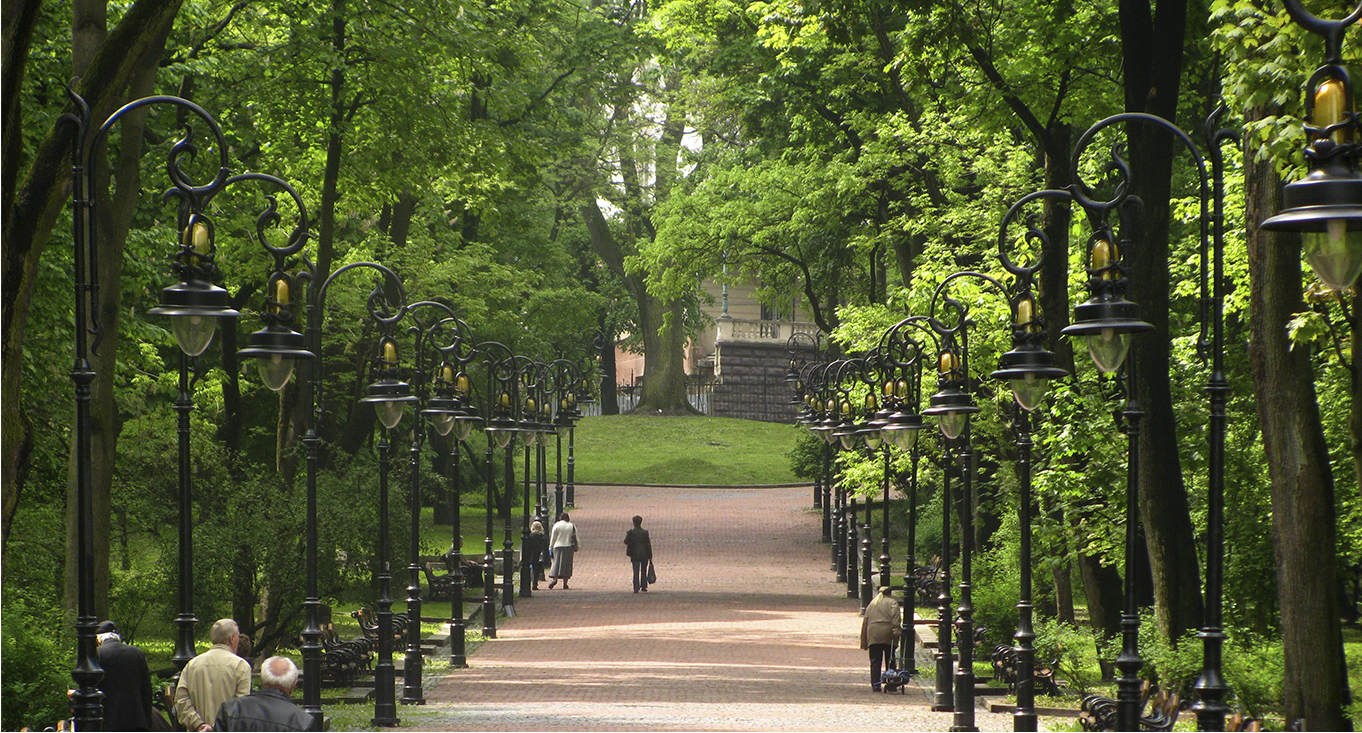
column 879, row 631
column 212, row 678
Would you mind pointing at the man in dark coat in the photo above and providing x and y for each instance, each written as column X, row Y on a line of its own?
column 127, row 681
column 639, row 548
column 268, row 708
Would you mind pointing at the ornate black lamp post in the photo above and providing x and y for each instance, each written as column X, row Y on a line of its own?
column 1027, row 368
column 454, row 415
column 565, row 378
column 443, row 422
column 500, row 427
column 532, row 376
column 901, row 367
column 194, row 304
column 952, row 405
column 389, row 395
column 275, row 351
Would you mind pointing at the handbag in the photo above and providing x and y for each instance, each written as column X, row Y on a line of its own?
column 652, row 574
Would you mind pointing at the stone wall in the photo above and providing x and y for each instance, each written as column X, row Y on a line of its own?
column 750, row 382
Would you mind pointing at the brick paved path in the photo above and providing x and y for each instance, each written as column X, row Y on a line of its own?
column 745, row 630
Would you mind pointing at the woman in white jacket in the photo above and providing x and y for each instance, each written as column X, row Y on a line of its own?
column 563, row 541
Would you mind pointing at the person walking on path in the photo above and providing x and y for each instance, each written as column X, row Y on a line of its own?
column 212, row 678
column 532, row 552
column 639, row 548
column 563, row 540
column 879, row 631
column 126, row 683
column 268, row 708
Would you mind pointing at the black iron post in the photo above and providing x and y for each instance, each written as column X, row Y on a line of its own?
column 572, row 467
column 1129, row 661
column 457, row 647
column 413, row 661
column 489, row 561
column 910, row 577
column 185, row 622
column 943, row 699
column 866, row 589
column 526, row 575
column 838, row 528
column 964, row 633
column 1024, row 718
column 851, row 551
column 385, row 674
column 885, row 571
column 827, row 493
column 507, row 527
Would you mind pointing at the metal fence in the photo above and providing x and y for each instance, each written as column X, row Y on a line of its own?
column 765, row 398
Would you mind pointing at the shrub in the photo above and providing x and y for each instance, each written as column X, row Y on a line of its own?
column 34, row 673
column 1253, row 666
column 1072, row 649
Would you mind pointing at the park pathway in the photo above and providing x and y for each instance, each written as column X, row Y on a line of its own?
column 745, row 630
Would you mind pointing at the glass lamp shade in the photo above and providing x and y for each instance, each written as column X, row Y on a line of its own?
column 1335, row 254
column 389, row 413
column 194, row 332
column 848, row 440
column 1029, row 391
column 502, row 437
column 904, row 438
column 873, row 439
column 1108, row 349
column 463, row 428
column 827, row 436
column 529, row 437
column 275, row 370
column 444, row 423
column 952, row 423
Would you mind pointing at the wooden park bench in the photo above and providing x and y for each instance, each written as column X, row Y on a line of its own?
column 1005, row 671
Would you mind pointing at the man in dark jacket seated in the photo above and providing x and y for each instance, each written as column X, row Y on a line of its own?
column 268, row 708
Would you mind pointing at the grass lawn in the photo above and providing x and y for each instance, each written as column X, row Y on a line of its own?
column 635, row 449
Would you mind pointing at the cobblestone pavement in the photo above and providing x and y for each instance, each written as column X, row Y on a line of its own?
column 746, row 629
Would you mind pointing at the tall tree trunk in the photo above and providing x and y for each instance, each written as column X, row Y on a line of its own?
column 114, row 218
column 1303, row 516
column 664, row 376
column 610, row 402
column 1064, row 591
column 1103, row 588
column 30, row 216
column 1153, row 48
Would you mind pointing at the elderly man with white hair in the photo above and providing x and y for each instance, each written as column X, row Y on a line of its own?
column 212, row 678
column 268, row 708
